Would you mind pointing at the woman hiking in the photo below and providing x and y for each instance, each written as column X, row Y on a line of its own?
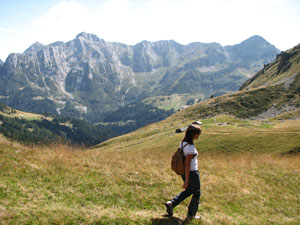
column 191, row 176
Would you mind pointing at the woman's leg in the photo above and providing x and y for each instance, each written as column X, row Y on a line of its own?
column 179, row 198
column 182, row 196
column 194, row 185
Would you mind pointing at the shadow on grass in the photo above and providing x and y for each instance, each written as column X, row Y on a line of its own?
column 166, row 220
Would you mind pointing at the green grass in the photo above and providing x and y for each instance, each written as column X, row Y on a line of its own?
column 245, row 179
column 25, row 115
column 175, row 101
column 270, row 74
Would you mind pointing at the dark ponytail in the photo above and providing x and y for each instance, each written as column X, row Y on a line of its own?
column 190, row 133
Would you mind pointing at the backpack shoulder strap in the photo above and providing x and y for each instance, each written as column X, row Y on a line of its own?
column 184, row 145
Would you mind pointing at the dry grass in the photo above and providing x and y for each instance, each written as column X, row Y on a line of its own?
column 26, row 115
column 126, row 180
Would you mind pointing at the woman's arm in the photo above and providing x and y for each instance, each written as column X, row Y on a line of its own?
column 188, row 159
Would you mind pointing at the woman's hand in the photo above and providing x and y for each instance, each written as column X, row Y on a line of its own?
column 185, row 185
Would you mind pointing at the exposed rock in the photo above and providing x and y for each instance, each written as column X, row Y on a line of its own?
column 34, row 48
column 281, row 71
column 94, row 76
column 287, row 81
column 273, row 111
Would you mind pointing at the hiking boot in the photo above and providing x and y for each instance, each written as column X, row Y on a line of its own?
column 169, row 207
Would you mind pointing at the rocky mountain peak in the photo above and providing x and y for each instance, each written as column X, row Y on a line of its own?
column 252, row 50
column 57, row 43
column 144, row 44
column 168, row 44
column 34, row 48
column 1, row 62
column 84, row 41
column 88, row 37
column 11, row 62
column 88, row 77
column 255, row 39
column 253, row 43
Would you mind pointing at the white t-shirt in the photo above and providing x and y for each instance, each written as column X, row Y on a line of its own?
column 190, row 149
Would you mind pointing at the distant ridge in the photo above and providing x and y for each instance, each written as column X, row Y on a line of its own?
column 274, row 90
column 284, row 69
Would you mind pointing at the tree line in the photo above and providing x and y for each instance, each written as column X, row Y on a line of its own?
column 60, row 129
column 134, row 116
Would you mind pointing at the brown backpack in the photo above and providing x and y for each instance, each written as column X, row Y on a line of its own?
column 178, row 160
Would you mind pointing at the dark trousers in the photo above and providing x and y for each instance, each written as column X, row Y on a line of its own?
column 192, row 189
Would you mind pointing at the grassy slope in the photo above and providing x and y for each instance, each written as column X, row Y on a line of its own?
column 9, row 112
column 286, row 65
column 276, row 87
column 175, row 101
column 126, row 180
column 249, row 103
column 273, row 90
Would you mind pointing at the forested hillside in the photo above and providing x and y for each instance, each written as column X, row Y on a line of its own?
column 48, row 129
column 134, row 116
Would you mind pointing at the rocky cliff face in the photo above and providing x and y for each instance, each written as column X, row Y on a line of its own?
column 285, row 69
column 273, row 92
column 88, row 76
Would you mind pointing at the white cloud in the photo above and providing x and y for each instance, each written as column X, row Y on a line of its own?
column 62, row 22
column 116, row 5
column 131, row 21
column 226, row 22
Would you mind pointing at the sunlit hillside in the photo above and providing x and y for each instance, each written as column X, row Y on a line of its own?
column 282, row 71
column 29, row 128
column 249, row 175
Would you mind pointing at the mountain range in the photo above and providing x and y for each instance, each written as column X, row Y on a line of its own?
column 273, row 92
column 125, row 179
column 88, row 77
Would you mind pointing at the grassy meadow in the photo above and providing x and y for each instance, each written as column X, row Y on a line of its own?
column 24, row 115
column 175, row 101
column 250, row 174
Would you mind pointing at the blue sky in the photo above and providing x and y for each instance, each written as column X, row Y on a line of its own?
column 130, row 21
